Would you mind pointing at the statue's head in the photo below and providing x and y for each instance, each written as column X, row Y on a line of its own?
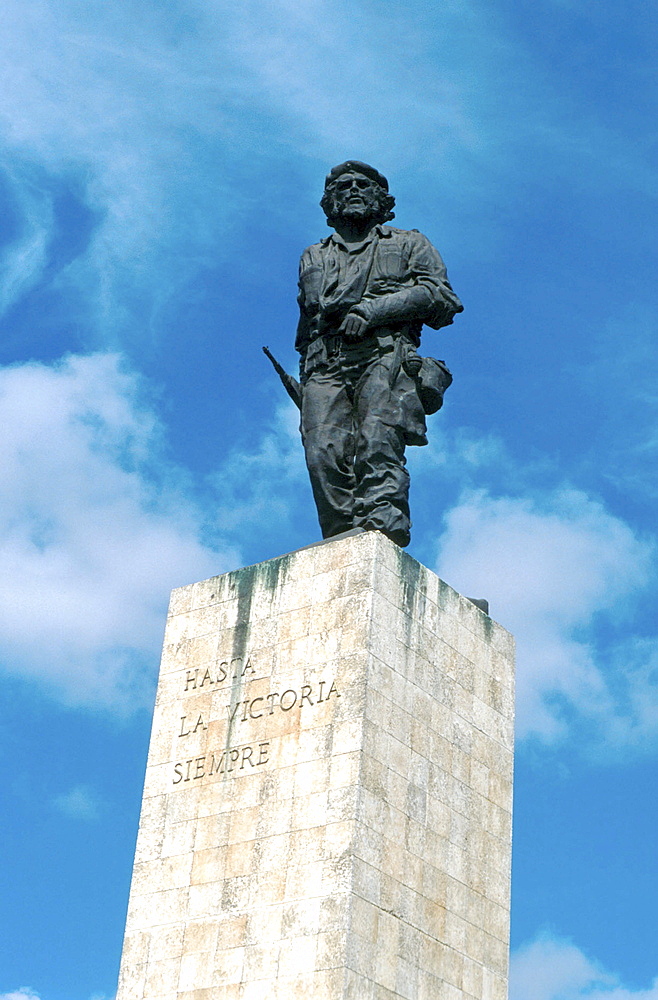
column 354, row 191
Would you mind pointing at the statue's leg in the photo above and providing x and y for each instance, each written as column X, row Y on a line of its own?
column 382, row 481
column 328, row 436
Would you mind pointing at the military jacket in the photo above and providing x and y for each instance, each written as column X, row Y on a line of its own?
column 395, row 278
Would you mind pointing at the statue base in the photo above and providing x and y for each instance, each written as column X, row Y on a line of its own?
column 327, row 806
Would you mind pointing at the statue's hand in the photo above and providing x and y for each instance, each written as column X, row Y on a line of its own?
column 412, row 364
column 354, row 326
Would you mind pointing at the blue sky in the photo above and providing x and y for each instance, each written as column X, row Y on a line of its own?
column 160, row 168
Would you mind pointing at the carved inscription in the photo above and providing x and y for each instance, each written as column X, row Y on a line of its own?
column 255, row 708
column 186, row 728
column 243, row 757
column 275, row 701
column 219, row 673
column 229, row 761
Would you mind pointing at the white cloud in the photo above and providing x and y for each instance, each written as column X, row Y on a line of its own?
column 26, row 993
column 95, row 529
column 80, row 802
column 549, row 567
column 22, row 993
column 553, row 969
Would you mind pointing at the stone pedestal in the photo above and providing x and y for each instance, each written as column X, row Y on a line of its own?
column 327, row 804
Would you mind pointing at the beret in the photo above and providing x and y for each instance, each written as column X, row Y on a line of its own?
column 358, row 167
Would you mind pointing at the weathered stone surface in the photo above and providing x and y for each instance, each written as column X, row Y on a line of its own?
column 327, row 805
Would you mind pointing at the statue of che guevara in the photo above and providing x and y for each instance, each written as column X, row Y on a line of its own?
column 365, row 292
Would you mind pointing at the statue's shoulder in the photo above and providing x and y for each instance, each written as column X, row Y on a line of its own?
column 409, row 235
column 315, row 250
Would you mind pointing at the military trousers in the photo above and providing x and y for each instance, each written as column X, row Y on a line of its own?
column 352, row 430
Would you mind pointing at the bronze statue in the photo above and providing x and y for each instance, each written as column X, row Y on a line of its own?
column 365, row 292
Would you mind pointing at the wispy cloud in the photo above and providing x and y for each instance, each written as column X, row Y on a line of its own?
column 95, row 528
column 551, row 968
column 261, row 488
column 80, row 802
column 316, row 63
column 22, row 263
column 157, row 111
column 119, row 101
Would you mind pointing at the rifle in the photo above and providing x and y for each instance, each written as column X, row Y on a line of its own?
column 290, row 384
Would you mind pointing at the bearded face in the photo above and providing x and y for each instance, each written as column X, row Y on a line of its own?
column 355, row 198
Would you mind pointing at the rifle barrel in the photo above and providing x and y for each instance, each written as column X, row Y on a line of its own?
column 290, row 384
